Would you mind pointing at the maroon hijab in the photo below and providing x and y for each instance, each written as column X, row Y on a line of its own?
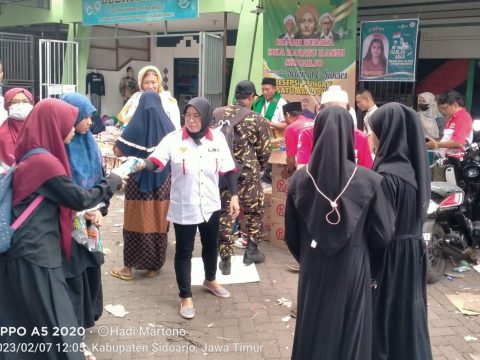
column 49, row 123
column 11, row 127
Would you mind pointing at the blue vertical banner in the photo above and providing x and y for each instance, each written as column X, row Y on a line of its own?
column 388, row 50
column 102, row 12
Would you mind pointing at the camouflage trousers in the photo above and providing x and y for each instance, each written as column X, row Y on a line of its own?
column 250, row 196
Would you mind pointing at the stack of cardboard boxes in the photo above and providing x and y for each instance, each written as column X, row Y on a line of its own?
column 267, row 215
column 275, row 203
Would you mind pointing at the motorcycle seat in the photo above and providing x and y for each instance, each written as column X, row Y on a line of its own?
column 444, row 189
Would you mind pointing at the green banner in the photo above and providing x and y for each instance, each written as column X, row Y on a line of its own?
column 311, row 46
column 388, row 50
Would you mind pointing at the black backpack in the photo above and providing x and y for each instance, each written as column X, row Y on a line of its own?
column 226, row 126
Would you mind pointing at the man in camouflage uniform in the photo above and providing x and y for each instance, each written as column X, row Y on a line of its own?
column 251, row 150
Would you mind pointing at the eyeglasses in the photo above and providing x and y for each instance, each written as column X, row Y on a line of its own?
column 195, row 117
column 22, row 101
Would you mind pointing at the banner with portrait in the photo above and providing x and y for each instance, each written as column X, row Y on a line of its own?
column 309, row 47
column 388, row 50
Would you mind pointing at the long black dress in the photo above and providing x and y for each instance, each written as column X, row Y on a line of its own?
column 33, row 291
column 83, row 274
column 400, row 327
column 399, row 298
column 334, row 315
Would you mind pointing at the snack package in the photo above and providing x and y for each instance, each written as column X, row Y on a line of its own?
column 79, row 233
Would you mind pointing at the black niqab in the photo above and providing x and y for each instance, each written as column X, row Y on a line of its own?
column 401, row 150
column 331, row 165
column 204, row 108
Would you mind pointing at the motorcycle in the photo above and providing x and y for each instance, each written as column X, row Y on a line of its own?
column 452, row 228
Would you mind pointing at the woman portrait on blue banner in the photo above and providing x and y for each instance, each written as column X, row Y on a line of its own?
column 374, row 59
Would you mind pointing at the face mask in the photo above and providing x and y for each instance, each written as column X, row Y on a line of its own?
column 423, row 107
column 19, row 111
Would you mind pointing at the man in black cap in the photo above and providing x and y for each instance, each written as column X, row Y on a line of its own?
column 251, row 149
column 296, row 123
column 269, row 105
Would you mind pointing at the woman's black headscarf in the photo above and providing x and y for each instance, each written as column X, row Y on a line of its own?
column 148, row 126
column 333, row 139
column 401, row 150
column 205, row 110
column 331, row 165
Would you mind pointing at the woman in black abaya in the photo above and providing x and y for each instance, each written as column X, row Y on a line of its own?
column 335, row 212
column 400, row 327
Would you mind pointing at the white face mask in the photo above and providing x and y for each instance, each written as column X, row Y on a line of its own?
column 19, row 111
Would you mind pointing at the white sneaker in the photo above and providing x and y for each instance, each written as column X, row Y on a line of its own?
column 240, row 242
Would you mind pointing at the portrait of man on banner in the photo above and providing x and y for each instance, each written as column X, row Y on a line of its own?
column 307, row 18
column 289, row 25
column 374, row 55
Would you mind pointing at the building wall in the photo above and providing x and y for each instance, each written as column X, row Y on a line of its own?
column 162, row 57
column 112, row 101
column 461, row 42
column 245, row 37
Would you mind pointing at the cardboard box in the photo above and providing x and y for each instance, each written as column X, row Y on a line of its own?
column 278, row 159
column 278, row 234
column 278, row 169
column 276, row 134
column 278, row 230
column 267, row 229
column 267, row 214
column 279, row 187
column 278, row 209
column 267, row 195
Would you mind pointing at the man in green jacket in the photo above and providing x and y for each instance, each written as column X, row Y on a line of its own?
column 270, row 106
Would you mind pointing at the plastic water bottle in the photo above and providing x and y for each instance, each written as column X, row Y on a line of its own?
column 127, row 167
column 93, row 236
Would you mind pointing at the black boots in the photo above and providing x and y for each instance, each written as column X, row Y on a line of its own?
column 252, row 254
column 225, row 266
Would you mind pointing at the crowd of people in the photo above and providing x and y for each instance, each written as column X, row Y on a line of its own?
column 355, row 230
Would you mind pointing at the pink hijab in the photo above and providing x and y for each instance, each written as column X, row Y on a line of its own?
column 11, row 127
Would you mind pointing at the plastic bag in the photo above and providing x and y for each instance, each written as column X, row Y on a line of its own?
column 87, row 235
